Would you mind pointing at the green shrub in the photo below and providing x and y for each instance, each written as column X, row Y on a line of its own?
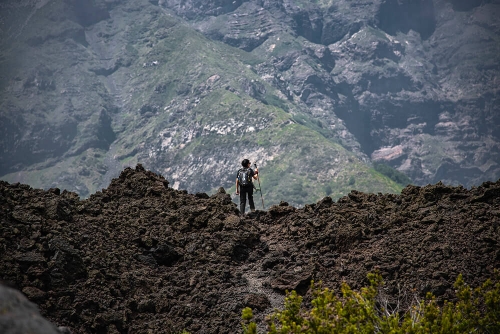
column 249, row 327
column 475, row 310
column 352, row 181
column 392, row 173
column 275, row 101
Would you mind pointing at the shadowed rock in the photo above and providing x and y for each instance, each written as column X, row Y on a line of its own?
column 142, row 255
column 19, row 316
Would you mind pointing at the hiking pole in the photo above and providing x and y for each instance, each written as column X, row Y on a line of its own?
column 260, row 189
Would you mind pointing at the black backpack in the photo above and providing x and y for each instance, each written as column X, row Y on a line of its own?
column 244, row 177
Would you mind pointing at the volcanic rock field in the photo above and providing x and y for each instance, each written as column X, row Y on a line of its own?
column 141, row 257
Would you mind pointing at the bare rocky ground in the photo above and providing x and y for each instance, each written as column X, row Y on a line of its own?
column 141, row 257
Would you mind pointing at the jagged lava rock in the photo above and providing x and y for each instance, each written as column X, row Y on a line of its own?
column 140, row 256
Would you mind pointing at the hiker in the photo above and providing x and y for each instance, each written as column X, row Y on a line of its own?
column 244, row 185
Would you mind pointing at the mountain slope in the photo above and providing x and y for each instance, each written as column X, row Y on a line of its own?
column 148, row 88
column 413, row 82
column 312, row 91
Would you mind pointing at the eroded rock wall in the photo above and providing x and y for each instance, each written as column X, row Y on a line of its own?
column 417, row 77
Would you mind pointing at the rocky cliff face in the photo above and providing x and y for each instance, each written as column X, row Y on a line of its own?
column 140, row 256
column 414, row 82
column 190, row 87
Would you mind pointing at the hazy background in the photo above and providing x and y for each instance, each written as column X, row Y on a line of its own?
column 326, row 96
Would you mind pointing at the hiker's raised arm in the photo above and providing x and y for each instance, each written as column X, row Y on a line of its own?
column 255, row 173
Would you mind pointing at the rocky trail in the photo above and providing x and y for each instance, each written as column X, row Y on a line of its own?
column 142, row 257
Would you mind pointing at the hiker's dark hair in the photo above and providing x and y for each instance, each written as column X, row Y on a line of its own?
column 245, row 162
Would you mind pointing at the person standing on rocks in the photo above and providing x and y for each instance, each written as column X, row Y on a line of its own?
column 244, row 185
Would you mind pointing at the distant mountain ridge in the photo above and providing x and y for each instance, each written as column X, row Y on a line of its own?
column 316, row 91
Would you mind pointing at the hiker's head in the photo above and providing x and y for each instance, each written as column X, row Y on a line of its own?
column 245, row 163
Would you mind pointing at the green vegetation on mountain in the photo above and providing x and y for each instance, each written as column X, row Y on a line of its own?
column 311, row 91
column 186, row 106
column 392, row 173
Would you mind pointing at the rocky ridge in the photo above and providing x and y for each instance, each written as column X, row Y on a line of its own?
column 140, row 256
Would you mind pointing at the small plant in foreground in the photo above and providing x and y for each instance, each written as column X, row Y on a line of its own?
column 474, row 311
column 249, row 327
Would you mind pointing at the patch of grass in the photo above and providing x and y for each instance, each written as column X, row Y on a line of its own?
column 276, row 101
column 392, row 173
column 312, row 123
